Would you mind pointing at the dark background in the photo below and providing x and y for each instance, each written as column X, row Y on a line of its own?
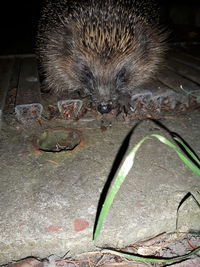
column 18, row 23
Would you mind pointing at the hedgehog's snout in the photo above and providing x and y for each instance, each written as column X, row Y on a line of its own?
column 104, row 108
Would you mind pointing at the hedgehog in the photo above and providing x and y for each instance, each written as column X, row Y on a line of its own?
column 101, row 50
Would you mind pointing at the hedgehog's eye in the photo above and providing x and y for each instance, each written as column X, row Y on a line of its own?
column 122, row 75
column 87, row 78
column 86, row 74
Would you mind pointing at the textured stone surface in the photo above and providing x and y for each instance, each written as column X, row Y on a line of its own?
column 48, row 201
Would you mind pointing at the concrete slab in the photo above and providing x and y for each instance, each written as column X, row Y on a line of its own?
column 48, row 201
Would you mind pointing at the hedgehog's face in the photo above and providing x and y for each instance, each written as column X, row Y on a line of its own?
column 111, row 83
column 104, row 85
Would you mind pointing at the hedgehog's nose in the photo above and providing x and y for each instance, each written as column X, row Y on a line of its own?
column 104, row 108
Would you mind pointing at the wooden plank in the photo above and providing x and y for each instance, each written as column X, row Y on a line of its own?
column 193, row 50
column 184, row 70
column 17, row 55
column 177, row 82
column 28, row 100
column 6, row 66
column 15, row 73
column 156, row 87
column 185, row 59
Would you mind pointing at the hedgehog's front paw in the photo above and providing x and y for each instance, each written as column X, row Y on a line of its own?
column 125, row 104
